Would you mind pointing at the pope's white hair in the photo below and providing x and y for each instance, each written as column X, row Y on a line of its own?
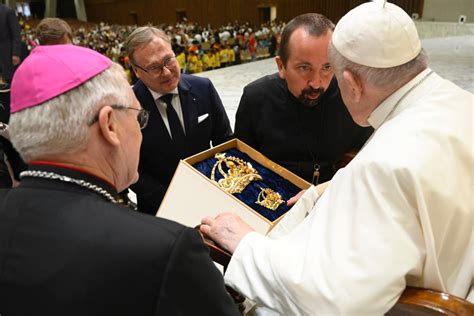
column 379, row 77
column 61, row 125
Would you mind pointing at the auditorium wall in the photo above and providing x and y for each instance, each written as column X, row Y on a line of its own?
column 449, row 11
column 218, row 12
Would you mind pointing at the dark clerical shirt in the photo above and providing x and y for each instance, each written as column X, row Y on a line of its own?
column 298, row 137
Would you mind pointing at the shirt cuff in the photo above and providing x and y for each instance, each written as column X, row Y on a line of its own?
column 296, row 214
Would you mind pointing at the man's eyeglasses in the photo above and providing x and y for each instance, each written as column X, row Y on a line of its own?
column 158, row 69
column 142, row 117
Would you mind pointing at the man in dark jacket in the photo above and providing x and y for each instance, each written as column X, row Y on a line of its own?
column 10, row 42
column 66, row 246
column 186, row 114
column 296, row 117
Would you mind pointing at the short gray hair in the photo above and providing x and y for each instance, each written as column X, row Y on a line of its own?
column 379, row 77
column 142, row 36
column 60, row 125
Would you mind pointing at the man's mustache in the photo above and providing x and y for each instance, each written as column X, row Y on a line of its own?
column 310, row 90
column 307, row 91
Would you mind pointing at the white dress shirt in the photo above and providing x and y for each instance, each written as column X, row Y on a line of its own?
column 161, row 106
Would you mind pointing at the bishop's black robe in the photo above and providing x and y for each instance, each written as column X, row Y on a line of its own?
column 66, row 250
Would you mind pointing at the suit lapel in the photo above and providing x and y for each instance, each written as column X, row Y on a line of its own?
column 145, row 97
column 188, row 105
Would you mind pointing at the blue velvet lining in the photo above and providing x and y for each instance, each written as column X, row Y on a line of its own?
column 250, row 193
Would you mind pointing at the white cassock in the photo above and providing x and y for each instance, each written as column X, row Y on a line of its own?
column 400, row 213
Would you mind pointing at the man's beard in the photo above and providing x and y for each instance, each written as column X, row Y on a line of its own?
column 307, row 101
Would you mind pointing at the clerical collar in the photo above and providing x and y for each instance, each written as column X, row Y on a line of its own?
column 157, row 95
column 388, row 106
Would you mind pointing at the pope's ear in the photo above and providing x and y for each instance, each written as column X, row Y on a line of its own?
column 354, row 84
column 108, row 125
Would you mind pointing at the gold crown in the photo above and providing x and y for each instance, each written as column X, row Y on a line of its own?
column 269, row 199
column 239, row 173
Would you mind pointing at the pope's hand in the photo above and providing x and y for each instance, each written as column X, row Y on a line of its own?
column 320, row 188
column 295, row 198
column 226, row 229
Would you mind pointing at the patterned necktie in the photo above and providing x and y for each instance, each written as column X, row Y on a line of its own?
column 177, row 132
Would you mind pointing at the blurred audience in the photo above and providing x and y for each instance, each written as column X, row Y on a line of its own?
column 199, row 48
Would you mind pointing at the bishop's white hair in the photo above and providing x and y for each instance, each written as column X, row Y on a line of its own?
column 61, row 125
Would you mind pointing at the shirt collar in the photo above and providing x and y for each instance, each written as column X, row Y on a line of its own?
column 157, row 95
column 383, row 111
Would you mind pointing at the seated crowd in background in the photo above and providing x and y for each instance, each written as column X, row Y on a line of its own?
column 198, row 48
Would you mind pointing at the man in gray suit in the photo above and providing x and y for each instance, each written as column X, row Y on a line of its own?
column 9, row 42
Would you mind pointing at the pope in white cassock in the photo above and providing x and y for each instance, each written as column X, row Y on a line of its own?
column 400, row 213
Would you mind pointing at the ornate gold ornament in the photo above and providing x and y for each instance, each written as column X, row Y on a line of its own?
column 269, row 199
column 239, row 174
